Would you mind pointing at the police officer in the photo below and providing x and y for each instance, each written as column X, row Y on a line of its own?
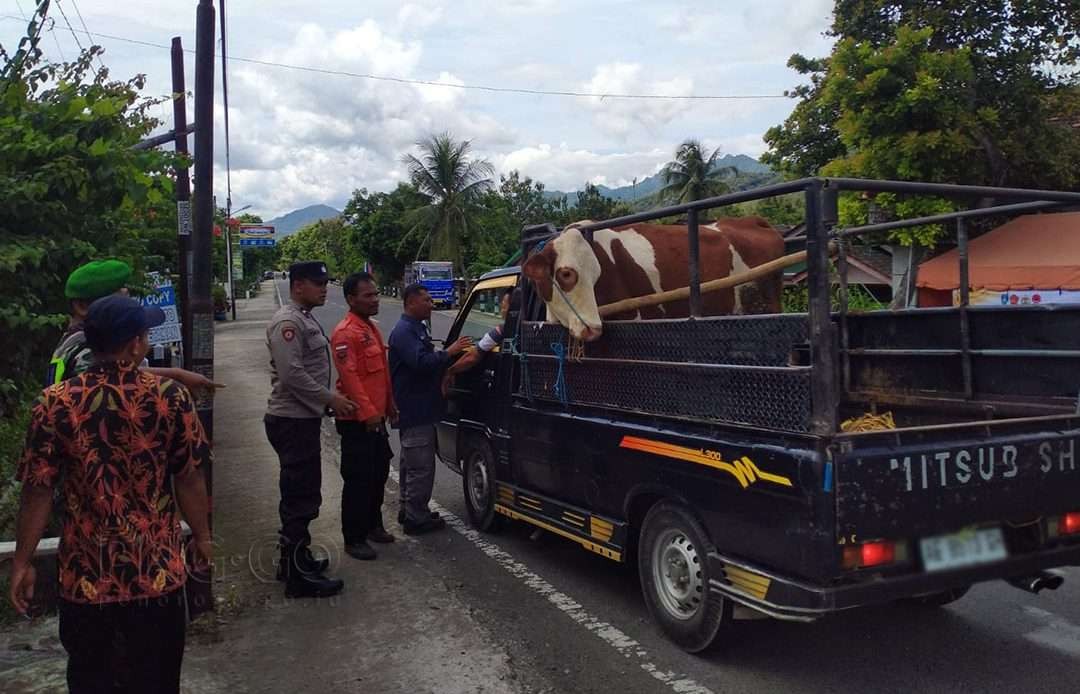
column 300, row 395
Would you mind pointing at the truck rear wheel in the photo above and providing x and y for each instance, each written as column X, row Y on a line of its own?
column 674, row 575
column 478, row 484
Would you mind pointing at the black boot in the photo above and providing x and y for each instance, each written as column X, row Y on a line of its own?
column 303, row 583
column 304, row 558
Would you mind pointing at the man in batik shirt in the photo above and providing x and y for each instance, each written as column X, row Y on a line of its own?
column 119, row 441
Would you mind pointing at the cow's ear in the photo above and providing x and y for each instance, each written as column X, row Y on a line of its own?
column 539, row 268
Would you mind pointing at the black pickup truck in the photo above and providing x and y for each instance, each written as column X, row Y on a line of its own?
column 711, row 452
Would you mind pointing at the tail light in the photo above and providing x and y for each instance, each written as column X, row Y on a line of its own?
column 1069, row 524
column 879, row 553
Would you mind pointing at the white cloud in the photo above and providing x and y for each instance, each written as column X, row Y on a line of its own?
column 443, row 95
column 413, row 18
column 298, row 138
column 620, row 116
column 303, row 137
column 564, row 168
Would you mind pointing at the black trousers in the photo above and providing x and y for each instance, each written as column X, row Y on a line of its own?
column 135, row 646
column 296, row 442
column 365, row 466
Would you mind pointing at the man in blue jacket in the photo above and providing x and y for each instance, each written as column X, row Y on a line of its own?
column 416, row 370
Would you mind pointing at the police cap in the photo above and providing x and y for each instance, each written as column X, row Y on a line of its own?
column 314, row 270
column 96, row 279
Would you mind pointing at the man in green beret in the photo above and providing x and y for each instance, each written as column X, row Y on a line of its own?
column 86, row 284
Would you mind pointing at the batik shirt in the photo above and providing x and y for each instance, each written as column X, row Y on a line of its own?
column 111, row 438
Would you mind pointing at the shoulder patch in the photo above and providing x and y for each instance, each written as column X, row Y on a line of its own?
column 341, row 350
column 288, row 333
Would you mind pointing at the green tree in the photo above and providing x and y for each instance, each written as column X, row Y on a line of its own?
column 325, row 240
column 593, row 205
column 71, row 189
column 948, row 91
column 379, row 231
column 694, row 174
column 808, row 139
column 453, row 181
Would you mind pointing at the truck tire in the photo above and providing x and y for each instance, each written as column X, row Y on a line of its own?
column 675, row 578
column 941, row 599
column 478, row 485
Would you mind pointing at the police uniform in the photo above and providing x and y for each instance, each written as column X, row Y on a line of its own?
column 300, row 393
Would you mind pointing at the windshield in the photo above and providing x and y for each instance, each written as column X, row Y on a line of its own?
column 436, row 274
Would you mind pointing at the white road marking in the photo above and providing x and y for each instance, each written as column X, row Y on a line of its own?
column 623, row 644
column 1057, row 633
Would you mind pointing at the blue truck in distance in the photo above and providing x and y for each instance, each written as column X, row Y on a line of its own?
column 437, row 276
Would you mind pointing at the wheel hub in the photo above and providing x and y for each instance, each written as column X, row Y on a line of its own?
column 478, row 481
column 677, row 574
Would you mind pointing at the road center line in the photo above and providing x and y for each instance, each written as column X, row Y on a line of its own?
column 623, row 644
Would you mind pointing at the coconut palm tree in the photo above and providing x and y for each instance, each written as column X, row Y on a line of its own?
column 694, row 175
column 453, row 181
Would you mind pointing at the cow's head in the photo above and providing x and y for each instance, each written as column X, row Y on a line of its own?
column 569, row 262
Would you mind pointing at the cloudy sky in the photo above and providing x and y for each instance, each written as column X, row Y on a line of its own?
column 300, row 137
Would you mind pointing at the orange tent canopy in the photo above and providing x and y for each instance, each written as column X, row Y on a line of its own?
column 1036, row 251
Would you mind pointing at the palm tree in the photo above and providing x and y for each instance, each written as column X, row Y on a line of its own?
column 693, row 175
column 453, row 182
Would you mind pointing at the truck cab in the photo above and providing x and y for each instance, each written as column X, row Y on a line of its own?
column 437, row 277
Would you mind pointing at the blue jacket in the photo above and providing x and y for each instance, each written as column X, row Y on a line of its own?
column 416, row 370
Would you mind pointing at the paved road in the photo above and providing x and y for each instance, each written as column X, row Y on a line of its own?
column 575, row 622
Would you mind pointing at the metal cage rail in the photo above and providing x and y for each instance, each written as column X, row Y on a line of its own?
column 833, row 367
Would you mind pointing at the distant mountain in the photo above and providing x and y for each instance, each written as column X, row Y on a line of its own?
column 748, row 167
column 294, row 221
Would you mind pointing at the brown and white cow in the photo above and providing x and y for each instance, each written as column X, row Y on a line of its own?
column 640, row 259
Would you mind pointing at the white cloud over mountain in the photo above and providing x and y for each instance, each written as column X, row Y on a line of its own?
column 301, row 137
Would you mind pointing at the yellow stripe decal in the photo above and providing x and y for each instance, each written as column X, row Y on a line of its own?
column 591, row 546
column 744, row 470
column 748, row 581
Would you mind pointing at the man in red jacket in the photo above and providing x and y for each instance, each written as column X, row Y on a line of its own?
column 364, row 378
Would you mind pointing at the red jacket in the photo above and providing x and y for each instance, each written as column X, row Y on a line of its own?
column 363, row 372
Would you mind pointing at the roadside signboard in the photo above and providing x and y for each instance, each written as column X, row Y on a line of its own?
column 255, row 235
column 165, row 299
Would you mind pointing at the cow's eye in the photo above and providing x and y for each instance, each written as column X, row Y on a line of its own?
column 567, row 278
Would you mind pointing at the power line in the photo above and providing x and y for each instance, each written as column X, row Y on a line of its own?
column 56, row 39
column 86, row 28
column 70, row 28
column 471, row 87
column 76, row 37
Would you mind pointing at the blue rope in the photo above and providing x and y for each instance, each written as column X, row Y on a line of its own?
column 523, row 358
column 560, row 378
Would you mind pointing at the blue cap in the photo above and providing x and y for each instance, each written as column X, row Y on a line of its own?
column 113, row 320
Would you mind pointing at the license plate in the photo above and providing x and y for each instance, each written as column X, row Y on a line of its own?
column 965, row 548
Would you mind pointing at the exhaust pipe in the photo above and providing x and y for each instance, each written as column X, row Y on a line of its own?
column 1036, row 582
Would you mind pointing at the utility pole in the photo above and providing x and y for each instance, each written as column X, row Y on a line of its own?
column 183, row 197
column 228, row 166
column 202, row 310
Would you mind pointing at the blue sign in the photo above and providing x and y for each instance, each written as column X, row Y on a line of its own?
column 256, row 242
column 166, row 296
column 165, row 299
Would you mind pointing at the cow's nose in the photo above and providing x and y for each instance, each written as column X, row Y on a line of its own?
column 590, row 333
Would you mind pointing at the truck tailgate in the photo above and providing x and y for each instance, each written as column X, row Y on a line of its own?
column 908, row 483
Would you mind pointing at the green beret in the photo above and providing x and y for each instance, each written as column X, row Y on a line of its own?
column 96, row 279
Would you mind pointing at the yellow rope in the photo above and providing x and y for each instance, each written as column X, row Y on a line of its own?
column 868, row 422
